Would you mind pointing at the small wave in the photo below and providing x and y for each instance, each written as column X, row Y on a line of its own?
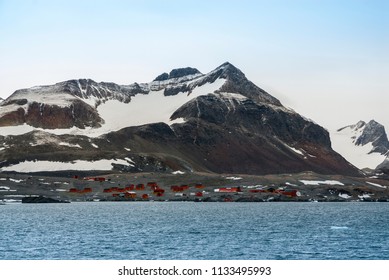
column 337, row 227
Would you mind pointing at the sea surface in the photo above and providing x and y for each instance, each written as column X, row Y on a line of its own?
column 188, row 230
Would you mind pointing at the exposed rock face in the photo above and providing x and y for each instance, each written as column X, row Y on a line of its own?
column 177, row 73
column 383, row 167
column 370, row 133
column 78, row 114
column 374, row 133
column 238, row 83
column 63, row 105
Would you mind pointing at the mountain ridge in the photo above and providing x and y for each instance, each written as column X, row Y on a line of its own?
column 216, row 122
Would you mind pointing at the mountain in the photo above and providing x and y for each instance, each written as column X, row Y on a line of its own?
column 363, row 144
column 183, row 120
column 383, row 167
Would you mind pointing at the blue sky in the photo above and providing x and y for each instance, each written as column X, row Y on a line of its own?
column 328, row 60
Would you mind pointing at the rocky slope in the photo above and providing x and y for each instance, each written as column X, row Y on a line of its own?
column 185, row 120
column 364, row 144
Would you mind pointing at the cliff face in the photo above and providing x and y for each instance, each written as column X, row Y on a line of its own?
column 78, row 114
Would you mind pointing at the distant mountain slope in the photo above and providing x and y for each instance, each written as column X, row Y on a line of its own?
column 182, row 120
column 383, row 167
column 364, row 144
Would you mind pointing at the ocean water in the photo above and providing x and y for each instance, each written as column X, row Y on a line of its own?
column 182, row 230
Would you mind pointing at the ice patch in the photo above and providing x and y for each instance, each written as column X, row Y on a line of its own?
column 339, row 227
column 11, row 201
column 130, row 161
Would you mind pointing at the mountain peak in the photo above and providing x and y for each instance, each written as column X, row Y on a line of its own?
column 360, row 124
column 177, row 73
column 374, row 132
column 236, row 82
column 364, row 144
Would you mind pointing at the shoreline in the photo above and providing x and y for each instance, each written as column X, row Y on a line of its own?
column 196, row 187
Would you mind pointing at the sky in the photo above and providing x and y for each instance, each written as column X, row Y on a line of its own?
column 327, row 60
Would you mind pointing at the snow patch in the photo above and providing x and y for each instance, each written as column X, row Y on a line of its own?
column 294, row 150
column 344, row 195
column 316, row 183
column 364, row 196
column 36, row 166
column 69, row 145
column 15, row 180
column 234, row 178
column 290, row 184
column 377, row 185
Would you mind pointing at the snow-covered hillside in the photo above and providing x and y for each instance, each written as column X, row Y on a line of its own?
column 365, row 145
column 142, row 109
column 112, row 106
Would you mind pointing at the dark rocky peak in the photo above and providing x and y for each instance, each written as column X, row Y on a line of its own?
column 163, row 77
column 181, row 72
column 360, row 124
column 374, row 132
column 177, row 73
column 227, row 70
column 236, row 82
column 371, row 132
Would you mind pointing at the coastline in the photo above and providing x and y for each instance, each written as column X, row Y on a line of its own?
column 196, row 187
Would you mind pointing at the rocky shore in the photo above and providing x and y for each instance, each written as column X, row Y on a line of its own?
column 41, row 199
column 198, row 187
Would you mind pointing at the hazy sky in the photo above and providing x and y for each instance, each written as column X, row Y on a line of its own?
column 328, row 60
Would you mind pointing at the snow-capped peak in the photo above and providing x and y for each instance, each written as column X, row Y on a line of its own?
column 363, row 144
